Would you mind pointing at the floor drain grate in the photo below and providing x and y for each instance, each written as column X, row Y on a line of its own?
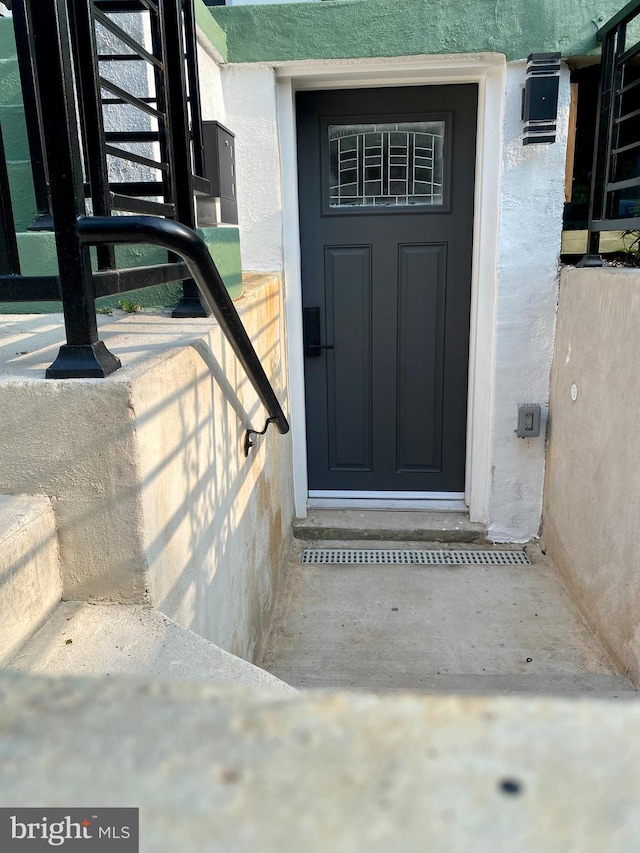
column 381, row 556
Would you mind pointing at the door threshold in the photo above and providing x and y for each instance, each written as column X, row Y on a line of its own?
column 419, row 501
column 384, row 526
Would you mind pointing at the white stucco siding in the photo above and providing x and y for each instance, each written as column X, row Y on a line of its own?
column 211, row 93
column 532, row 198
column 250, row 105
column 135, row 77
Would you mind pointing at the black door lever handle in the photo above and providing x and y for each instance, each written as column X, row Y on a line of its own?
column 312, row 346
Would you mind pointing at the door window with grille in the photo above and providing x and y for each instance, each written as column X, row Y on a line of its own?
column 386, row 165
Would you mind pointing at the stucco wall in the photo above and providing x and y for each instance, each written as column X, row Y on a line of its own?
column 135, row 77
column 532, row 198
column 250, row 108
column 592, row 490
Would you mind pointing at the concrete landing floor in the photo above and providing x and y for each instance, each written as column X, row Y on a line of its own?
column 429, row 629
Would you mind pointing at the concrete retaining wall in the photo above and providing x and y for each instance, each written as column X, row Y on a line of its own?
column 154, row 500
column 592, row 489
column 215, row 525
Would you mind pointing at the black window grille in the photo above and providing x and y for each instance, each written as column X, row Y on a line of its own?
column 615, row 186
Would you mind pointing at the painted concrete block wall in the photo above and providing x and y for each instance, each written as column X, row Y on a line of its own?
column 211, row 91
column 153, row 498
column 592, row 488
column 532, row 199
column 136, row 77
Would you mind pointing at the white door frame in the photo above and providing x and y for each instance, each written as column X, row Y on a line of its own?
column 489, row 72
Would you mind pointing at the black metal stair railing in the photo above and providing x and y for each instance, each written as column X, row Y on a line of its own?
column 615, row 183
column 173, row 107
column 61, row 67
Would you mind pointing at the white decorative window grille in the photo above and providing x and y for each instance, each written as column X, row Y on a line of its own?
column 386, row 165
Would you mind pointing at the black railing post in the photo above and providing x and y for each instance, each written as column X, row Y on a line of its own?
column 22, row 32
column 600, row 154
column 83, row 355
column 195, row 106
column 90, row 102
column 171, row 24
column 9, row 258
column 604, row 125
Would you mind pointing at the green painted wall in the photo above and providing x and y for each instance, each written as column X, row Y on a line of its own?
column 14, row 132
column 367, row 28
column 38, row 257
column 211, row 28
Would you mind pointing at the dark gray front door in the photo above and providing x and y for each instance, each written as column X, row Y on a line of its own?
column 386, row 181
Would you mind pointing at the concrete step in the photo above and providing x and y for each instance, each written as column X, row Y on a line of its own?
column 130, row 640
column 30, row 583
column 389, row 525
column 557, row 684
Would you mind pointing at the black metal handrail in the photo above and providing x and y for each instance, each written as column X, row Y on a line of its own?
column 615, row 182
column 177, row 238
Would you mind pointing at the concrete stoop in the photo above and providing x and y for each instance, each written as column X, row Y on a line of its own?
column 39, row 634
column 82, row 639
column 30, row 581
column 389, row 526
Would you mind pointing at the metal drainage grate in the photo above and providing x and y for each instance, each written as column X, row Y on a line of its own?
column 379, row 556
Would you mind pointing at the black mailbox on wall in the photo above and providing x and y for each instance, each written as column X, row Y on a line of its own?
column 221, row 207
column 540, row 98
